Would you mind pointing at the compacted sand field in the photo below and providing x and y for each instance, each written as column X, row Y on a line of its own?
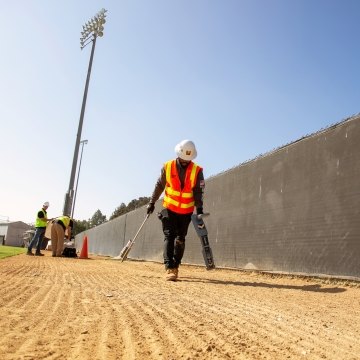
column 98, row 308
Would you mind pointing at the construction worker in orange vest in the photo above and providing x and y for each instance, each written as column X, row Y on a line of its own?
column 183, row 182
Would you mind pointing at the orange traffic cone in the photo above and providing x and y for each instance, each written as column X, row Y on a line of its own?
column 84, row 250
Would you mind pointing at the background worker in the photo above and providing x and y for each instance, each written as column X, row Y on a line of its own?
column 183, row 182
column 40, row 228
column 60, row 225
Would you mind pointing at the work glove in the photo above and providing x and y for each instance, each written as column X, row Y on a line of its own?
column 150, row 208
column 199, row 211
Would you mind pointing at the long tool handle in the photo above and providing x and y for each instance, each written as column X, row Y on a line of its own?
column 124, row 253
column 147, row 216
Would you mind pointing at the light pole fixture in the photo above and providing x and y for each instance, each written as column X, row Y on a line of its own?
column 82, row 142
column 91, row 30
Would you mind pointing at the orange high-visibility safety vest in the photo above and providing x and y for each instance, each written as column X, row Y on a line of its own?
column 176, row 199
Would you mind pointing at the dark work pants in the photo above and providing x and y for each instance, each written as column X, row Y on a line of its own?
column 175, row 227
column 37, row 239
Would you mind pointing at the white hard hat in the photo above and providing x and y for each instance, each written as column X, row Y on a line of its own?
column 186, row 150
column 46, row 203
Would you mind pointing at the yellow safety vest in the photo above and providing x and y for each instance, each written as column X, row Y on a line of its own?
column 41, row 222
column 65, row 220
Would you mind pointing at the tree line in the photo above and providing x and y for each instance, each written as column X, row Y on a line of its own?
column 98, row 218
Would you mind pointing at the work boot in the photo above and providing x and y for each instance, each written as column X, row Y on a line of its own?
column 171, row 274
column 29, row 252
column 39, row 254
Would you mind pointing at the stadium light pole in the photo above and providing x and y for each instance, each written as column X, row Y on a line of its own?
column 91, row 30
column 83, row 142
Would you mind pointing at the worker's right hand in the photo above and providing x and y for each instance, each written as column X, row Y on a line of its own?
column 150, row 208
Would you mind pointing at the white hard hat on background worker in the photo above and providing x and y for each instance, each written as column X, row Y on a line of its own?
column 186, row 150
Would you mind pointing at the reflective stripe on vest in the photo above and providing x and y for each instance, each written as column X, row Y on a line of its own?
column 175, row 199
column 41, row 222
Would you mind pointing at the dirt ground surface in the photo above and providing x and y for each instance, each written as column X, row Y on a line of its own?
column 98, row 308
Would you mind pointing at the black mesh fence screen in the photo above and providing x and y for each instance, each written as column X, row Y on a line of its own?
column 295, row 209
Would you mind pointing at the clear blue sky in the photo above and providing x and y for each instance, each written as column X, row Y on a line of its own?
column 238, row 77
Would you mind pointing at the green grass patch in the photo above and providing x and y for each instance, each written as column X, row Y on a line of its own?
column 6, row 251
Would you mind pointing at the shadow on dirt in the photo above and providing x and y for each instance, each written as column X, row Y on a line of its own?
column 314, row 287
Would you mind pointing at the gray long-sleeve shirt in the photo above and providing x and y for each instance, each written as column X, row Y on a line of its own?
column 198, row 190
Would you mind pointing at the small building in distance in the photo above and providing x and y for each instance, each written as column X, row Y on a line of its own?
column 12, row 233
